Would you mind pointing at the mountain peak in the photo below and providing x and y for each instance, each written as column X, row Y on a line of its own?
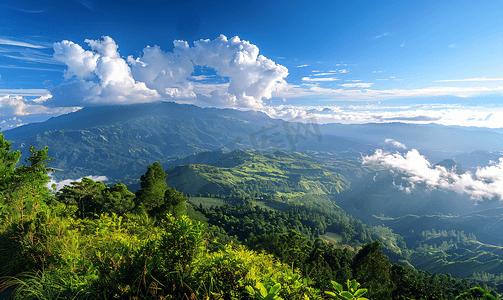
column 451, row 164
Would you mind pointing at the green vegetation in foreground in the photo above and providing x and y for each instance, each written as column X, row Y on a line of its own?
column 73, row 244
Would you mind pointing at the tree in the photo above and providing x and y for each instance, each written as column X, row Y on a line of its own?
column 8, row 160
column 94, row 198
column 118, row 199
column 373, row 270
column 86, row 195
column 175, row 202
column 476, row 293
column 153, row 187
column 23, row 189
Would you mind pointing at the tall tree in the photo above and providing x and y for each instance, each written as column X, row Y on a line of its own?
column 23, row 189
column 373, row 270
column 153, row 187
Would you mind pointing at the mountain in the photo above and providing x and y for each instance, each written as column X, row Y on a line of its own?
column 437, row 142
column 120, row 141
column 478, row 158
column 451, row 164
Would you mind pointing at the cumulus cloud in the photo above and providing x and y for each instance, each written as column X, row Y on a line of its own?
column 486, row 183
column 251, row 77
column 61, row 184
column 395, row 144
column 99, row 76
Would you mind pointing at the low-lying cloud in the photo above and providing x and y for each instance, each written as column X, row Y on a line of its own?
column 61, row 184
column 486, row 183
column 395, row 144
column 17, row 110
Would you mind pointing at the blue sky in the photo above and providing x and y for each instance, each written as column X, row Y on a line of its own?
column 342, row 61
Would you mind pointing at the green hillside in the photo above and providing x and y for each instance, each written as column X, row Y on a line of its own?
column 284, row 174
column 457, row 253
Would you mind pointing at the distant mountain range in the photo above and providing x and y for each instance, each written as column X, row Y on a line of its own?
column 120, row 141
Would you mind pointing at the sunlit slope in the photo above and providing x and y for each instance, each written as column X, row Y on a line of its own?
column 456, row 253
column 286, row 174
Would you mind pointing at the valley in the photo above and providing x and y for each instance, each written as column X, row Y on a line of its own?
column 253, row 179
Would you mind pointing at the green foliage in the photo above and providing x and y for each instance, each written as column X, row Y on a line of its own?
column 156, row 197
column 23, row 189
column 373, row 268
column 8, row 160
column 476, row 293
column 153, row 186
column 94, row 198
column 352, row 293
column 261, row 292
column 234, row 272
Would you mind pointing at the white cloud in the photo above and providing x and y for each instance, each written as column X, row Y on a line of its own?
column 32, row 55
column 395, row 143
column 19, row 106
column 323, row 74
column 343, row 71
column 100, row 76
column 445, row 114
column 29, row 68
column 356, row 85
column 24, row 92
column 17, row 110
column 302, row 66
column 61, row 184
column 470, row 80
column 11, row 42
column 252, row 77
column 486, row 183
column 319, row 79
column 381, row 35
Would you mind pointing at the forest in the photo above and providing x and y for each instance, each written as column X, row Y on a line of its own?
column 93, row 241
